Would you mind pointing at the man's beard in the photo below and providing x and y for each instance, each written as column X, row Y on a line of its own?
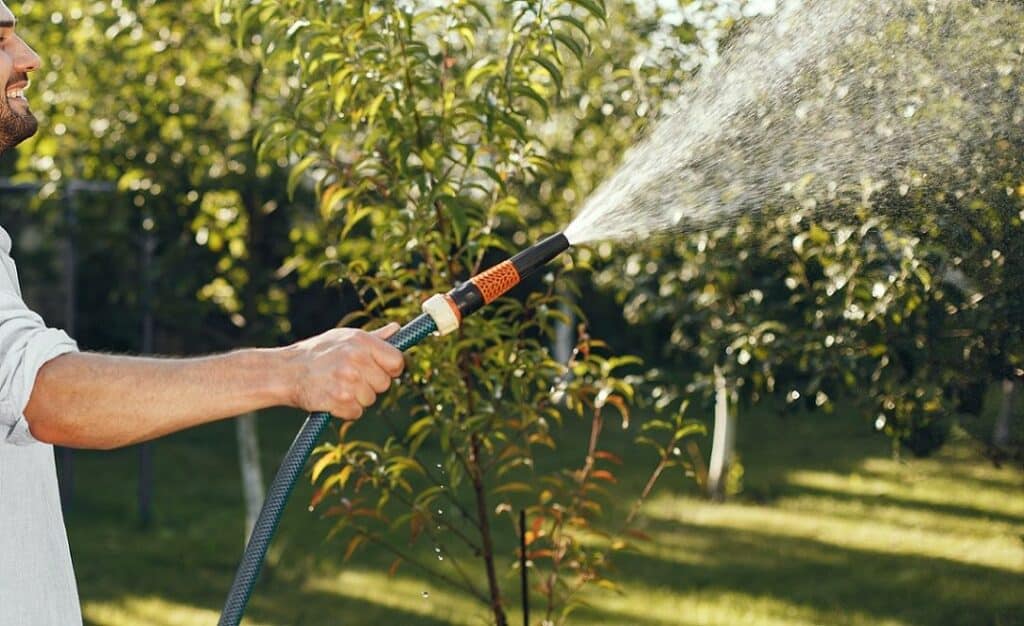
column 15, row 127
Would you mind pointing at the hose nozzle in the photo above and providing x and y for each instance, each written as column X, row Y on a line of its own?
column 449, row 309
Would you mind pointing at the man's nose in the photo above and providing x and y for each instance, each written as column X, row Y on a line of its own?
column 24, row 58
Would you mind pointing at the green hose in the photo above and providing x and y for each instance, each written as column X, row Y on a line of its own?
column 451, row 309
column 292, row 466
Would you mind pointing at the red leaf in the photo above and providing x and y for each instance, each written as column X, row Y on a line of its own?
column 353, row 544
column 394, row 568
column 318, row 497
column 639, row 534
column 608, row 456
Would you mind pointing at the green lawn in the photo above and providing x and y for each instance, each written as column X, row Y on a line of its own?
column 829, row 530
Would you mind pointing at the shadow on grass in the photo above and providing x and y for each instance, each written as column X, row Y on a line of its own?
column 189, row 556
column 900, row 503
column 832, row 581
column 310, row 607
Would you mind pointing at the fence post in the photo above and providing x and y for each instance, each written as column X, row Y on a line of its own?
column 724, row 440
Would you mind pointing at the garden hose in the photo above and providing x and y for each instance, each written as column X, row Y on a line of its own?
column 442, row 313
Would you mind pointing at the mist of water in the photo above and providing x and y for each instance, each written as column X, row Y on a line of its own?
column 821, row 101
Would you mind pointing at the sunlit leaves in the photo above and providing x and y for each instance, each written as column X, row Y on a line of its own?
column 418, row 126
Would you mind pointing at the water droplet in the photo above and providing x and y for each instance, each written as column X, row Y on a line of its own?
column 426, row 594
column 440, row 511
column 440, row 557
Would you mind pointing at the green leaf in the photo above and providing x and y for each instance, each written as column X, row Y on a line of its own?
column 552, row 69
column 298, row 170
column 594, row 7
column 570, row 43
column 419, row 426
column 354, row 218
column 339, row 479
column 531, row 93
column 323, row 463
column 575, row 22
column 483, row 68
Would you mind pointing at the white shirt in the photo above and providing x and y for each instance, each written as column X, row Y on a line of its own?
column 37, row 581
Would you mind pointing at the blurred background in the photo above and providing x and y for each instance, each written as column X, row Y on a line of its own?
column 821, row 413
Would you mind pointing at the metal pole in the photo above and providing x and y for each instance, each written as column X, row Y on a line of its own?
column 524, row 574
column 145, row 485
column 65, row 455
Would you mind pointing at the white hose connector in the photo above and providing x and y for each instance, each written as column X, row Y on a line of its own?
column 443, row 312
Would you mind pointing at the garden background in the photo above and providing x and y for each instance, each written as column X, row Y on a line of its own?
column 798, row 417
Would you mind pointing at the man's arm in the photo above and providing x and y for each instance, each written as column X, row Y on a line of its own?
column 87, row 400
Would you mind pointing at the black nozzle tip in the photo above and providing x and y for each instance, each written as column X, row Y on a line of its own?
column 541, row 253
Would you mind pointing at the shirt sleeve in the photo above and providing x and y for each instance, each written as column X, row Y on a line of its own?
column 26, row 344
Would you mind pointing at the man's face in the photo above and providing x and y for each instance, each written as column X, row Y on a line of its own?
column 16, row 61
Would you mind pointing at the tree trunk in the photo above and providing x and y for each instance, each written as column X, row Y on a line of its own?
column 255, row 331
column 249, row 462
column 724, row 440
column 1001, row 432
column 480, row 490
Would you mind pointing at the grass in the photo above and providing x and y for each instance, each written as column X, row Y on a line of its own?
column 829, row 530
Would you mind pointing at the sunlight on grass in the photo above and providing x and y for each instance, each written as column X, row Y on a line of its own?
column 718, row 608
column 641, row 604
column 150, row 610
column 915, row 488
column 826, row 534
column 911, row 509
column 402, row 593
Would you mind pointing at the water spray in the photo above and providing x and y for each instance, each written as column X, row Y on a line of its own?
column 442, row 314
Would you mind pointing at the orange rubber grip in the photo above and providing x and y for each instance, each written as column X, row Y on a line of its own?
column 454, row 307
column 496, row 281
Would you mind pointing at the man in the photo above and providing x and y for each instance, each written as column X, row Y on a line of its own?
column 50, row 393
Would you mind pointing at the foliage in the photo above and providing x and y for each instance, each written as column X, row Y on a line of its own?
column 903, row 297
column 419, row 128
column 155, row 98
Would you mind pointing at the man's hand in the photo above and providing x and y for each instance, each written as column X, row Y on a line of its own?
column 87, row 400
column 343, row 370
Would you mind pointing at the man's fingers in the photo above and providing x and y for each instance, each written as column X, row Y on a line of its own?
column 377, row 378
column 365, row 395
column 386, row 355
column 387, row 331
column 348, row 413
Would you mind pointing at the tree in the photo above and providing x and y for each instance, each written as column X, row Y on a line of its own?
column 891, row 289
column 418, row 128
column 175, row 132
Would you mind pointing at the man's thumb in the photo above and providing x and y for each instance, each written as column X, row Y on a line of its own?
column 387, row 331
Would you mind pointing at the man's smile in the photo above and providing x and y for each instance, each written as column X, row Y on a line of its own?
column 16, row 90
